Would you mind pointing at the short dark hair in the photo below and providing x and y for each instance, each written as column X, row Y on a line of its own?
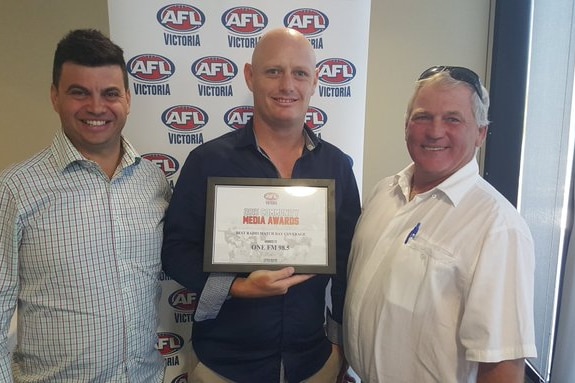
column 87, row 47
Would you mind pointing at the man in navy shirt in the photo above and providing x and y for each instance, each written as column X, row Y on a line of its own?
column 266, row 326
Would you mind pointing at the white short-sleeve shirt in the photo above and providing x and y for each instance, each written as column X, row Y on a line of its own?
column 427, row 307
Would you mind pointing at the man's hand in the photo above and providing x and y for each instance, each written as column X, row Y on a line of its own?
column 265, row 283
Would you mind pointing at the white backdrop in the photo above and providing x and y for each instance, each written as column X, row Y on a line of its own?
column 186, row 61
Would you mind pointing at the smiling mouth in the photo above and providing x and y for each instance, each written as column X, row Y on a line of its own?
column 434, row 148
column 95, row 122
column 285, row 100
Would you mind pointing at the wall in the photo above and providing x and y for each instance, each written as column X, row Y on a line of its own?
column 406, row 37
column 29, row 32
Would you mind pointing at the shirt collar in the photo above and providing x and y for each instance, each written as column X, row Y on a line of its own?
column 248, row 137
column 454, row 187
column 66, row 153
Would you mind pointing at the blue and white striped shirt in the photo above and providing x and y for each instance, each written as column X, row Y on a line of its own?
column 80, row 256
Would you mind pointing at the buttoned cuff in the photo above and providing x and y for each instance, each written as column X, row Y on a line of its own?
column 333, row 329
column 214, row 294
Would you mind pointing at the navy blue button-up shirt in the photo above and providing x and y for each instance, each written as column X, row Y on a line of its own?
column 249, row 338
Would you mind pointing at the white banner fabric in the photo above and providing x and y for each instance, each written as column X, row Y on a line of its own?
column 185, row 62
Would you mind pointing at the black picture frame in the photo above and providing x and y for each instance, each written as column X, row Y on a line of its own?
column 288, row 222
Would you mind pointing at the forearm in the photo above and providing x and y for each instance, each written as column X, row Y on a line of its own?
column 507, row 371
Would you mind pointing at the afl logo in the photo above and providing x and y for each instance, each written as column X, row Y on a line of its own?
column 308, row 21
column 184, row 118
column 180, row 18
column 335, row 71
column 150, row 68
column 183, row 300
column 238, row 117
column 271, row 196
column 169, row 343
column 315, row 118
column 183, row 378
column 244, row 20
column 168, row 164
column 214, row 69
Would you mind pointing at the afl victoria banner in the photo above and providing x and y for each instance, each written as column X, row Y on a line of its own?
column 185, row 62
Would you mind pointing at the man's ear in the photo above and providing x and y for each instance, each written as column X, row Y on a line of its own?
column 315, row 79
column 54, row 97
column 248, row 75
column 129, row 99
column 482, row 136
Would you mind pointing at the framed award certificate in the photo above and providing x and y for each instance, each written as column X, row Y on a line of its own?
column 270, row 223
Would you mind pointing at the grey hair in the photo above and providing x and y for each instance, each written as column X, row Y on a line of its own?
column 480, row 104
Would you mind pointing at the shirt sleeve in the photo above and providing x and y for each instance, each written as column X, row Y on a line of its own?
column 347, row 213
column 183, row 244
column 334, row 330
column 215, row 293
column 497, row 323
column 9, row 239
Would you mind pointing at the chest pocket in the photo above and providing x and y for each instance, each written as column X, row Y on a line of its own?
column 425, row 274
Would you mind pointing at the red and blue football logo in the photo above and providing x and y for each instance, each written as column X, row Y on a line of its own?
column 184, row 118
column 315, row 118
column 181, row 18
column 214, row 69
column 271, row 196
column 183, row 300
column 308, row 21
column 150, row 68
column 168, row 164
column 335, row 71
column 244, row 20
column 238, row 117
column 169, row 343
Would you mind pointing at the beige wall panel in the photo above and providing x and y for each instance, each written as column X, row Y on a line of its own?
column 405, row 38
column 29, row 32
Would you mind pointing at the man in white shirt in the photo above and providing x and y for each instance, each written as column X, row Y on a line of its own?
column 442, row 265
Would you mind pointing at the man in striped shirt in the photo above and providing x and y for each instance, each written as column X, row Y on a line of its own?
column 81, row 233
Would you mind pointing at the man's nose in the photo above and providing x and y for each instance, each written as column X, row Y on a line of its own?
column 436, row 128
column 286, row 82
column 96, row 104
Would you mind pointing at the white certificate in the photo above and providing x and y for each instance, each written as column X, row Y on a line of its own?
column 270, row 223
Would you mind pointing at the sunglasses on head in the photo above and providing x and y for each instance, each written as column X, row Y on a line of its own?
column 458, row 73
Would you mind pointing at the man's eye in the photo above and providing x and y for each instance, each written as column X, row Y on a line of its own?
column 77, row 92
column 112, row 95
column 300, row 73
